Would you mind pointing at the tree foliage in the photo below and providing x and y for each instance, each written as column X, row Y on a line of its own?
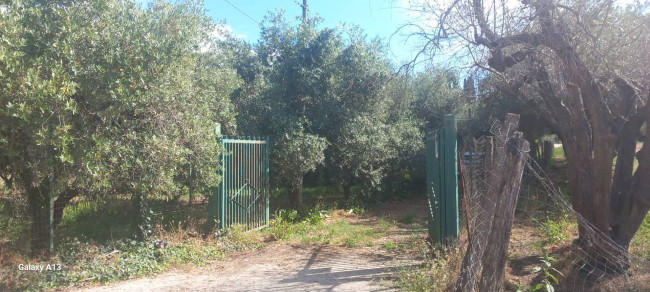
column 330, row 88
column 108, row 98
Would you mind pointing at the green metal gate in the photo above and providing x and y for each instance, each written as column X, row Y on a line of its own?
column 243, row 195
column 442, row 181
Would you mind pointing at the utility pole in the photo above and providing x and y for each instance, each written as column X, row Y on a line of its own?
column 305, row 11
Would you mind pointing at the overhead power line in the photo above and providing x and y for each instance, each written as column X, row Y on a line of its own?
column 242, row 12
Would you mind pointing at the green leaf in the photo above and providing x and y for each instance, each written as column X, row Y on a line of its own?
column 552, row 277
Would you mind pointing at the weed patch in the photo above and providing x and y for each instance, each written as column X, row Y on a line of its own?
column 79, row 264
column 437, row 273
column 320, row 227
column 640, row 245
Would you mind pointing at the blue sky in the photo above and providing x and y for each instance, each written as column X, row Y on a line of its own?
column 376, row 17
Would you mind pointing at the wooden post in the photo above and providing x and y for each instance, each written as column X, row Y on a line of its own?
column 505, row 156
column 496, row 255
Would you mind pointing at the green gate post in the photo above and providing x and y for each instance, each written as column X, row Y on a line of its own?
column 442, row 181
column 451, row 178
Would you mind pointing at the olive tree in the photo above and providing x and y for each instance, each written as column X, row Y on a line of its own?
column 106, row 98
column 583, row 66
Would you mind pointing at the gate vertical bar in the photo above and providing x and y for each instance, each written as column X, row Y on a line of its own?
column 222, row 189
column 231, row 163
column 241, row 182
column 266, row 179
column 249, row 174
column 237, row 183
column 257, row 183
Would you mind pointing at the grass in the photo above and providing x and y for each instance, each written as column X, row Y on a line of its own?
column 83, row 263
column 335, row 229
column 92, row 244
column 558, row 155
column 640, row 245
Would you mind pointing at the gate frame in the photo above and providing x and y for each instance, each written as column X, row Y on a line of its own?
column 218, row 203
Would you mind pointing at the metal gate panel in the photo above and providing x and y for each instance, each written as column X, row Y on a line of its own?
column 243, row 195
column 442, row 181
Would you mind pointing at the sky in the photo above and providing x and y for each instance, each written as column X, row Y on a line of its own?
column 376, row 17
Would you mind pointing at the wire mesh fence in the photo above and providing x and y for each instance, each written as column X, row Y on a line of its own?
column 541, row 246
column 98, row 220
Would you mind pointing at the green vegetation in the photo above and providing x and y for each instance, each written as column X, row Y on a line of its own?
column 93, row 245
column 319, row 227
column 555, row 231
column 85, row 263
column 437, row 273
column 640, row 244
column 389, row 245
column 106, row 105
column 108, row 98
column 547, row 271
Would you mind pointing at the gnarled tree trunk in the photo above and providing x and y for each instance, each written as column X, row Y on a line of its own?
column 593, row 129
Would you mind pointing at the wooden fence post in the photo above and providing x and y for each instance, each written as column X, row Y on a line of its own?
column 505, row 157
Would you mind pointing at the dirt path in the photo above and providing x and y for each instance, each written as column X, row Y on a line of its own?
column 280, row 267
column 286, row 267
